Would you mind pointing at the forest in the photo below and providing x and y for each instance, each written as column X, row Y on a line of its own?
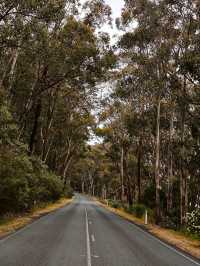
column 137, row 144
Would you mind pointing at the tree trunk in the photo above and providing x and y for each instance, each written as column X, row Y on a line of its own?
column 35, row 126
column 12, row 69
column 128, row 183
column 157, row 163
column 66, row 167
column 183, row 176
column 122, row 174
column 139, row 171
column 5, row 73
column 129, row 192
column 27, row 109
column 48, row 150
column 50, row 116
column 170, row 164
column 83, row 186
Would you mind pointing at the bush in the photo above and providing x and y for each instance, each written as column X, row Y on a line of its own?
column 114, row 204
column 171, row 220
column 138, row 210
column 24, row 182
column 50, row 188
column 14, row 186
column 193, row 222
column 68, row 192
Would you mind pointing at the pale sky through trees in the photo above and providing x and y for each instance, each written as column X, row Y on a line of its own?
column 116, row 6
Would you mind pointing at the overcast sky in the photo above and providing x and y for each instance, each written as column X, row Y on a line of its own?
column 116, row 6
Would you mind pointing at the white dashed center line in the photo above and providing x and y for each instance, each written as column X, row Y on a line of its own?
column 89, row 261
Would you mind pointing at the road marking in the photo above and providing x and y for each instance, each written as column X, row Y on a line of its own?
column 168, row 246
column 89, row 261
column 95, row 256
column 93, row 238
column 158, row 240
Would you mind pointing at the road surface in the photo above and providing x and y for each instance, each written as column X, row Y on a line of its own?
column 85, row 234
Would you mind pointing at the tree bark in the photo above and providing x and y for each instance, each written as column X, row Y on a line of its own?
column 129, row 192
column 170, row 164
column 35, row 126
column 122, row 173
column 12, row 69
column 5, row 73
column 139, row 171
column 157, row 163
column 50, row 115
column 183, row 176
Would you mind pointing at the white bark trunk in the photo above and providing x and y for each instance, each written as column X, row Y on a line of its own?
column 122, row 174
column 157, row 162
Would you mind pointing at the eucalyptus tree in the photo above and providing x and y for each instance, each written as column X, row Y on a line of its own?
column 160, row 37
column 51, row 60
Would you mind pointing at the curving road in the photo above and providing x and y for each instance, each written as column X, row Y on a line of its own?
column 85, row 234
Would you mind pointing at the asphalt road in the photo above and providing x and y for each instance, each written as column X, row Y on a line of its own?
column 85, row 234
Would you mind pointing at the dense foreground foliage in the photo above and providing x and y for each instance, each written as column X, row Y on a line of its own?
column 25, row 183
column 25, row 180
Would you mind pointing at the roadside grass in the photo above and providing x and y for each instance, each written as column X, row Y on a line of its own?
column 181, row 239
column 9, row 223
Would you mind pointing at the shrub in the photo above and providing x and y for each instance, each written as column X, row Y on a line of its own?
column 138, row 210
column 24, row 182
column 50, row 187
column 114, row 204
column 14, row 188
column 193, row 222
column 68, row 192
column 171, row 220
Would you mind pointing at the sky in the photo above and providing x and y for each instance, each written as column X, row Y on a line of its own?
column 116, row 6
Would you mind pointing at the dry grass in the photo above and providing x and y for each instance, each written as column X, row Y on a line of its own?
column 177, row 239
column 172, row 237
column 13, row 223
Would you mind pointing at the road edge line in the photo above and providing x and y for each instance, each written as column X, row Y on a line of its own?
column 180, row 252
column 89, row 260
column 32, row 222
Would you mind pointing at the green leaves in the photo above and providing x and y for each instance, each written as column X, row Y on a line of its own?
column 97, row 13
column 50, row 63
column 8, row 129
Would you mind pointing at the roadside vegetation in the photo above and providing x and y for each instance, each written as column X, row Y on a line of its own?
column 50, row 62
